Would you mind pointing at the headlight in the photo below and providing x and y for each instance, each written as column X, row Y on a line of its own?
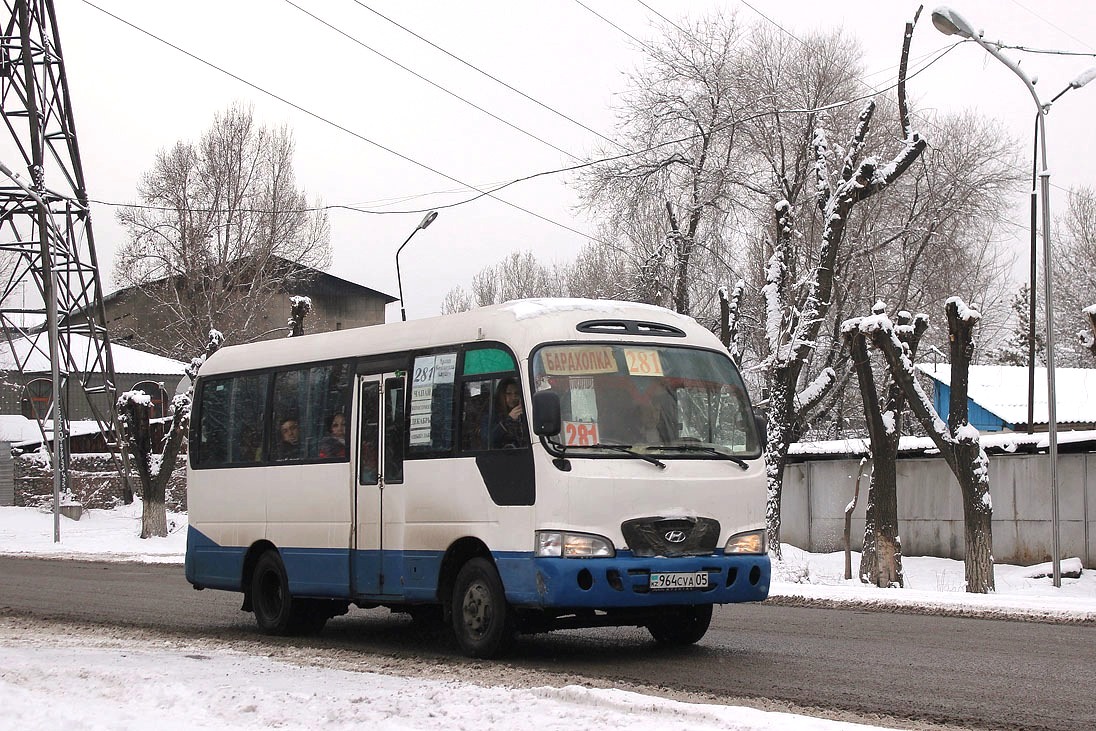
column 572, row 545
column 749, row 542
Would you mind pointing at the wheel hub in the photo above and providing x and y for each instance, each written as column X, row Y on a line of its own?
column 476, row 609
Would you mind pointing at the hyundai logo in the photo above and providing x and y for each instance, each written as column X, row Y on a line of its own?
column 676, row 536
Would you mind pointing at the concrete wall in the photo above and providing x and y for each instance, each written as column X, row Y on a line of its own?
column 7, row 479
column 930, row 507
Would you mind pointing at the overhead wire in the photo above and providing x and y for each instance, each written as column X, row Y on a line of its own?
column 606, row 20
column 363, row 138
column 557, row 171
column 497, row 80
column 429, row 81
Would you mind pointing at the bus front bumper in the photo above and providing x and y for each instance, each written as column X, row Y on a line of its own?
column 626, row 580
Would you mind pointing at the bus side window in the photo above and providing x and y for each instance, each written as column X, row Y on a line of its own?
column 231, row 415
column 476, row 414
column 305, row 402
column 369, row 434
column 393, row 430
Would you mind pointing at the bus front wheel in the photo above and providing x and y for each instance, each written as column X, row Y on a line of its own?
column 681, row 625
column 482, row 620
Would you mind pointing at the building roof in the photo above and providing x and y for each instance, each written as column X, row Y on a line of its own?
column 1003, row 391
column 318, row 283
column 34, row 351
column 20, row 430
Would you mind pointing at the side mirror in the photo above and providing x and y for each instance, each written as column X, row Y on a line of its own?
column 546, row 414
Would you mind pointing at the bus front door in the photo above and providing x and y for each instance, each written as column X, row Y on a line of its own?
column 379, row 467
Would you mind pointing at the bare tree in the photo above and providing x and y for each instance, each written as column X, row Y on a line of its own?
column 958, row 441
column 154, row 470
column 881, row 558
column 221, row 228
column 666, row 207
column 1074, row 271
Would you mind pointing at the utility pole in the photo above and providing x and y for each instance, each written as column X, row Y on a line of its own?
column 46, row 235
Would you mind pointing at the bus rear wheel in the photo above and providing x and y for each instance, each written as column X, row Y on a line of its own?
column 276, row 611
column 482, row 620
column 681, row 625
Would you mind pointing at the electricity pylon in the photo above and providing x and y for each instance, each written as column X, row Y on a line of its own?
column 45, row 233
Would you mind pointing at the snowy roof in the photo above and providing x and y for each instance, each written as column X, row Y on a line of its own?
column 126, row 360
column 21, row 430
column 1003, row 390
column 999, row 441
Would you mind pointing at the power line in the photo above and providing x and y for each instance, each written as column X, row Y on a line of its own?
column 807, row 45
column 428, row 81
column 339, row 127
column 664, row 18
column 480, row 190
column 556, row 171
column 489, row 76
column 1031, row 12
column 606, row 20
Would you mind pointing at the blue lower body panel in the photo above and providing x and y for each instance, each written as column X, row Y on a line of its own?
column 212, row 566
column 413, row 576
column 625, row 580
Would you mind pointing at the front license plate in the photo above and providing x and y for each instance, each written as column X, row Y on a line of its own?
column 664, row 581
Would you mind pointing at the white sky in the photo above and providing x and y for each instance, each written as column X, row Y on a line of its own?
column 202, row 685
column 133, row 96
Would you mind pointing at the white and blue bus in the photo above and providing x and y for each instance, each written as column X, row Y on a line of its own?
column 530, row 466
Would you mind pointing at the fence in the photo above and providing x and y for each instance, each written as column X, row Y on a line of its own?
column 930, row 507
column 94, row 481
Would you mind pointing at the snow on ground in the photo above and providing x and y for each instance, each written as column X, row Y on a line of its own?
column 86, row 682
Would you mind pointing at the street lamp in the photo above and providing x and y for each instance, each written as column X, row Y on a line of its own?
column 426, row 221
column 1083, row 78
column 949, row 22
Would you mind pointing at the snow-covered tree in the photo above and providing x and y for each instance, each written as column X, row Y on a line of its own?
column 299, row 307
column 729, row 302
column 1074, row 275
column 795, row 311
column 957, row 440
column 881, row 558
column 220, row 228
column 1015, row 350
column 154, row 470
column 668, row 207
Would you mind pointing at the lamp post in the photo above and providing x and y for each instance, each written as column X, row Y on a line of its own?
column 949, row 22
column 426, row 221
column 1081, row 79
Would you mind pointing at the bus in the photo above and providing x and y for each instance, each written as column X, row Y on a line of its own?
column 537, row 465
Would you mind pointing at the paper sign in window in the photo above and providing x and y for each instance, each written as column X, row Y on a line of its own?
column 582, row 360
column 643, row 362
column 580, row 433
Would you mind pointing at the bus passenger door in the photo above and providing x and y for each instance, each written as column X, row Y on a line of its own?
column 379, row 464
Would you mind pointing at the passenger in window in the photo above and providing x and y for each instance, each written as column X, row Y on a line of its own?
column 289, row 440
column 652, row 425
column 334, row 442
column 509, row 429
column 367, row 467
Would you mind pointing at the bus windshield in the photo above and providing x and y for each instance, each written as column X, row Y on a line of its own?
column 653, row 398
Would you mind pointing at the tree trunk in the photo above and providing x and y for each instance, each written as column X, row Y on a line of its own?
column 780, row 432
column 881, row 560
column 978, row 561
column 154, row 510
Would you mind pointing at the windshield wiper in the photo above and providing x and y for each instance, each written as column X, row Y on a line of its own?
column 627, row 449
column 701, row 448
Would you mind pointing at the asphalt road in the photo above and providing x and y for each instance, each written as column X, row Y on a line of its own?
column 973, row 673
